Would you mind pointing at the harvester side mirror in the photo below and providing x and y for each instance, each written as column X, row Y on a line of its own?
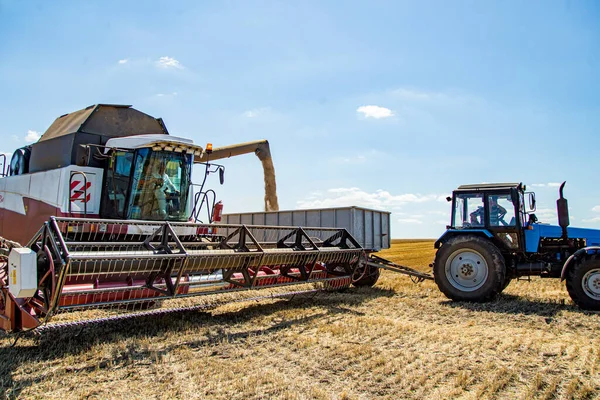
column 222, row 175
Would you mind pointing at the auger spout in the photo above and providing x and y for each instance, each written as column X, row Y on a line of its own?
column 263, row 152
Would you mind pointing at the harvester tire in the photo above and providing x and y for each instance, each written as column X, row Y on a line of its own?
column 367, row 276
column 583, row 283
column 469, row 268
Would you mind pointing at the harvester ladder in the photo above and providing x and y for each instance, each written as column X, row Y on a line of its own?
column 83, row 191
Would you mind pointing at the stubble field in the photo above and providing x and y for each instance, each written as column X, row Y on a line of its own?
column 395, row 340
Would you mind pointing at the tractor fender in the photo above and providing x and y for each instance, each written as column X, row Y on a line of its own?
column 450, row 233
column 573, row 258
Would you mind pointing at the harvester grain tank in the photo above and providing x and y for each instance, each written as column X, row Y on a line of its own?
column 495, row 237
column 101, row 213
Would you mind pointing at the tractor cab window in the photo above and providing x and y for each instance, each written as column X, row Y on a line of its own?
column 501, row 210
column 160, row 186
column 468, row 210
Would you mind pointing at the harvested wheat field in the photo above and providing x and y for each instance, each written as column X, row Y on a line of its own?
column 396, row 340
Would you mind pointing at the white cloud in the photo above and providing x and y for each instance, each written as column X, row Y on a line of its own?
column 32, row 136
column 596, row 209
column 376, row 112
column 437, row 212
column 168, row 62
column 124, row 61
column 550, row 184
column 380, row 199
column 594, row 219
column 166, row 94
column 409, row 221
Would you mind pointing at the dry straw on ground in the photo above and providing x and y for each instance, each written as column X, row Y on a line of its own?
column 396, row 340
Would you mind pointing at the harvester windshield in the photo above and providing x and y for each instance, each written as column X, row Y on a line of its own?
column 148, row 185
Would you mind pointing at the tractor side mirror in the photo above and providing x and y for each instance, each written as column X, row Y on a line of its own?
column 532, row 204
column 222, row 175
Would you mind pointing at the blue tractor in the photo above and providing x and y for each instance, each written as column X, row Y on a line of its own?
column 494, row 237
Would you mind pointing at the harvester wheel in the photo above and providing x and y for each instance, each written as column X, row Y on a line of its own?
column 583, row 283
column 469, row 268
column 365, row 274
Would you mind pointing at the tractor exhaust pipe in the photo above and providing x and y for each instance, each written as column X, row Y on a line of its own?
column 263, row 152
column 562, row 207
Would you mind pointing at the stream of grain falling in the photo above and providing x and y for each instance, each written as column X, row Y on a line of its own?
column 271, row 203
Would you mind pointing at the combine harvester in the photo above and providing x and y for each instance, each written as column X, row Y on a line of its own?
column 100, row 218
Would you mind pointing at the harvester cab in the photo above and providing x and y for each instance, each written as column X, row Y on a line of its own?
column 494, row 237
column 146, row 180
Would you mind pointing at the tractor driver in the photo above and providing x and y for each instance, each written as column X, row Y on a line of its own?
column 162, row 183
column 497, row 213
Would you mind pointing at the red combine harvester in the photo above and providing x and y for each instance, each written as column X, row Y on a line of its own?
column 101, row 214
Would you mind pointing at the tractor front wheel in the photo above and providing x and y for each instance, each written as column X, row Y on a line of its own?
column 583, row 283
column 469, row 268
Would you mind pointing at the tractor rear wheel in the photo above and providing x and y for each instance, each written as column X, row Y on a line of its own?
column 583, row 283
column 469, row 268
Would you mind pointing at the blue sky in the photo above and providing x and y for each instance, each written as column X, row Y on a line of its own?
column 385, row 104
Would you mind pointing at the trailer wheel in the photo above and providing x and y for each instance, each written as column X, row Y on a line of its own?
column 583, row 283
column 365, row 274
column 469, row 268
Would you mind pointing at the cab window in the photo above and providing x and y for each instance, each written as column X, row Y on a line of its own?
column 501, row 210
column 116, row 185
column 468, row 210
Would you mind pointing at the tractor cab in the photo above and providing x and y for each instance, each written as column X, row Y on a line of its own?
column 496, row 211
